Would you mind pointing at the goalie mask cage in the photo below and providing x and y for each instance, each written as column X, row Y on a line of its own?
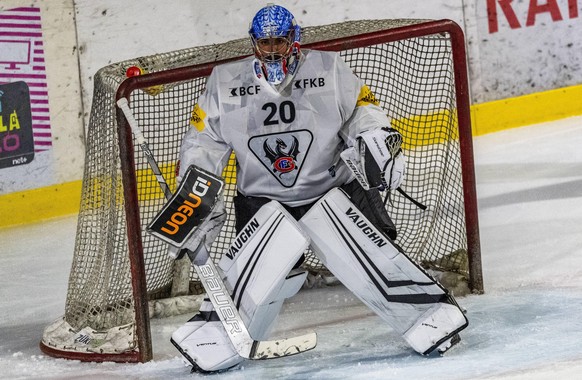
column 417, row 70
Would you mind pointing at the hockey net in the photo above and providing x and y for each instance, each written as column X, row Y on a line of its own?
column 121, row 276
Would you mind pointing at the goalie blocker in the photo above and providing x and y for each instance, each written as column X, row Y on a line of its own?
column 381, row 275
column 188, row 208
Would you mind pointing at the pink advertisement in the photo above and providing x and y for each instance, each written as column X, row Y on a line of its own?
column 25, row 127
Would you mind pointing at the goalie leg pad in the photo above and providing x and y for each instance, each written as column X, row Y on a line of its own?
column 205, row 344
column 258, row 263
column 264, row 315
column 435, row 328
column 258, row 273
column 380, row 274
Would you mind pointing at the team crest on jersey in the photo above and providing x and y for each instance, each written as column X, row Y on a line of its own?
column 283, row 153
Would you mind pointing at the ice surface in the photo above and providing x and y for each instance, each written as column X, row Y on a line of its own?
column 526, row 326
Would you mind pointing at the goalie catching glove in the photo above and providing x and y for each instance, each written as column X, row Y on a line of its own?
column 376, row 159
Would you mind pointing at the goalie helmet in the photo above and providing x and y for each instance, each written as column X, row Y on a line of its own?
column 275, row 36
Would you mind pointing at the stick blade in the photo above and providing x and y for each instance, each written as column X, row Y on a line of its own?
column 270, row 349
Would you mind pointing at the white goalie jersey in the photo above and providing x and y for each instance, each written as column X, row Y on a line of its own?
column 288, row 140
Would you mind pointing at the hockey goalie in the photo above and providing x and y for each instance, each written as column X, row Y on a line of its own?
column 313, row 152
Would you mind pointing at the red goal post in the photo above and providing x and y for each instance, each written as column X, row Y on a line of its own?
column 416, row 68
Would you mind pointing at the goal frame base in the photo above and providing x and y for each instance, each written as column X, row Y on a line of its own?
column 124, row 357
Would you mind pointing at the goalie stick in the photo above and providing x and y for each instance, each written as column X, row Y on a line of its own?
column 123, row 104
column 237, row 332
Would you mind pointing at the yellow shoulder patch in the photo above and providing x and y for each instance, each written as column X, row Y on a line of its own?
column 366, row 97
column 197, row 118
